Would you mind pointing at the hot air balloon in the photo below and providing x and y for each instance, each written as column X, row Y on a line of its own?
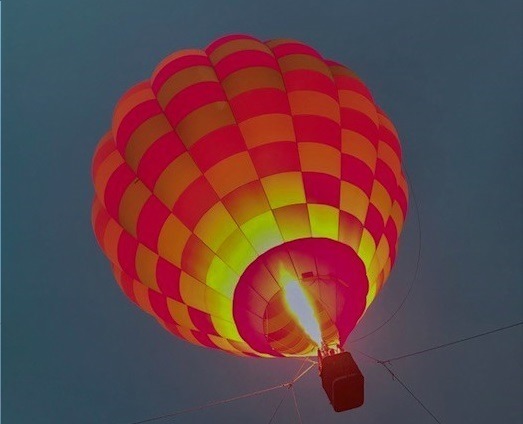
column 250, row 197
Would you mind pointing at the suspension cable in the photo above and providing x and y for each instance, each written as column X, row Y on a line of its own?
column 224, row 401
column 387, row 362
column 441, row 346
column 304, row 361
column 417, row 399
column 278, row 406
column 296, row 404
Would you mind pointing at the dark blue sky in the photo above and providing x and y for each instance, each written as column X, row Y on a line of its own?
column 449, row 73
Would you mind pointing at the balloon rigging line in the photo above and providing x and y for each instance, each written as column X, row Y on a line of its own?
column 295, row 379
column 221, row 402
column 414, row 278
column 305, row 360
column 296, row 404
column 289, row 385
column 395, row 377
column 387, row 362
column 278, row 407
column 386, row 365
column 300, row 369
column 441, row 346
column 456, row 342
column 212, row 404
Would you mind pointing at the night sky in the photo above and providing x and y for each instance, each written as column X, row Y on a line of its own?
column 449, row 73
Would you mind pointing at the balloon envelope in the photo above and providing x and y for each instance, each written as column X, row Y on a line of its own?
column 237, row 172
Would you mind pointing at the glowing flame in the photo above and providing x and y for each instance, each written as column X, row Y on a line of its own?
column 303, row 311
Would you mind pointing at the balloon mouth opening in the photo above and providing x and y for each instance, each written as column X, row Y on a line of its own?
column 300, row 294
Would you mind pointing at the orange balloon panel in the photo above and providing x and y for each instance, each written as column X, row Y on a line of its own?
column 237, row 171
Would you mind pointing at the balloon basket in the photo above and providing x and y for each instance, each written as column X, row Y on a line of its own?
column 341, row 379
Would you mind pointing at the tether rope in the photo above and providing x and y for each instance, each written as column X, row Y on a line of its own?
column 417, row 399
column 296, row 404
column 224, row 401
column 444, row 345
column 387, row 362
